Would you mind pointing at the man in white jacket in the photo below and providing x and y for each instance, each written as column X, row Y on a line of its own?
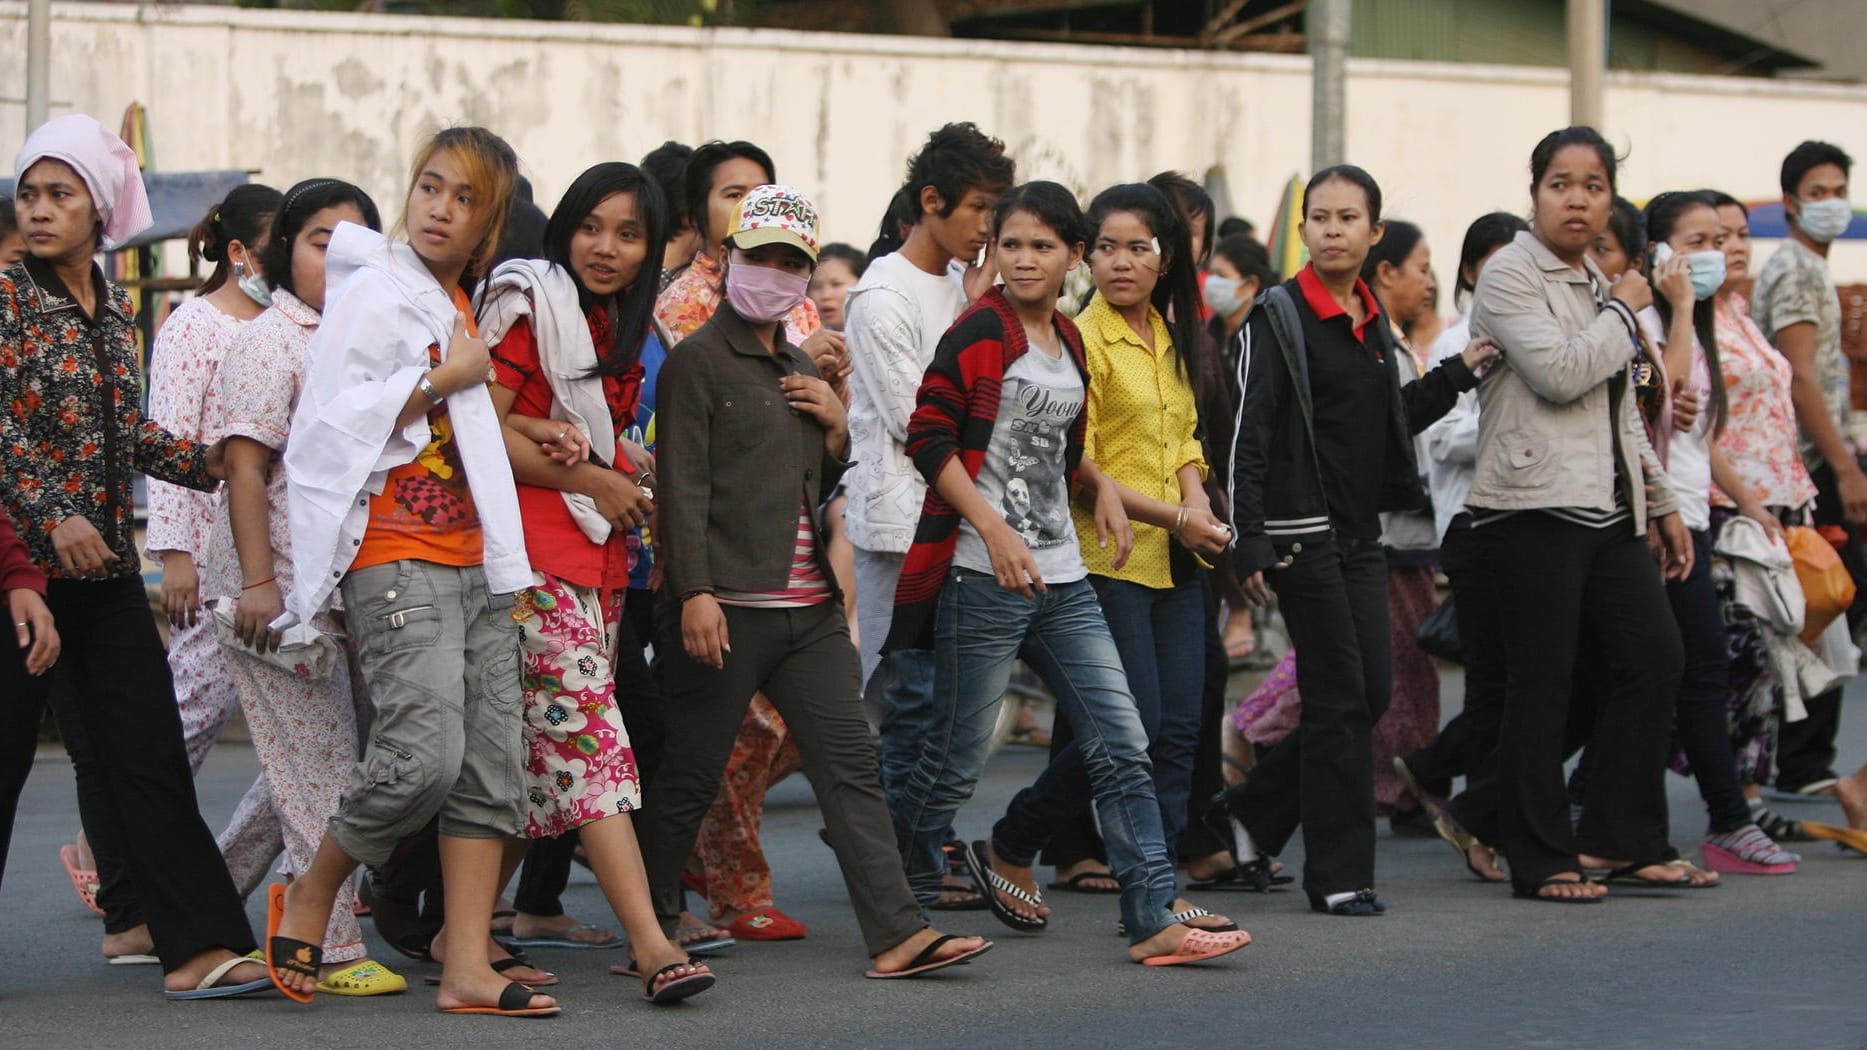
column 896, row 316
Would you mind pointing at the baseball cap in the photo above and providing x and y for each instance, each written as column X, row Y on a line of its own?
column 774, row 214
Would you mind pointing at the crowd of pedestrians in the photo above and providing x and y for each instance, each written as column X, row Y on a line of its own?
column 506, row 530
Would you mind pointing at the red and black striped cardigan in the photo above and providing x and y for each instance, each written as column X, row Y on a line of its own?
column 958, row 407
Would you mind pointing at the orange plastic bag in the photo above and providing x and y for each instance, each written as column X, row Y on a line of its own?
column 1826, row 585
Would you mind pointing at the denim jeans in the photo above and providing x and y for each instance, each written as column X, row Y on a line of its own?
column 897, row 687
column 980, row 629
column 1160, row 633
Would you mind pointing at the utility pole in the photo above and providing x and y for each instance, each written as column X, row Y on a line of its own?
column 1588, row 52
column 38, row 62
column 1328, row 26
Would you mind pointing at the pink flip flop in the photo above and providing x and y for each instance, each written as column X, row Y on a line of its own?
column 1200, row 945
column 82, row 879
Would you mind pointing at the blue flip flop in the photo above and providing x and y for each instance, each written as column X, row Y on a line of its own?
column 210, row 988
column 565, row 940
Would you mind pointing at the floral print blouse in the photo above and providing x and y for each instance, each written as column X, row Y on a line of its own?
column 1759, row 437
column 187, row 352
column 72, row 432
column 690, row 299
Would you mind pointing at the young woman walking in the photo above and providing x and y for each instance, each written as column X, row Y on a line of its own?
column 400, row 492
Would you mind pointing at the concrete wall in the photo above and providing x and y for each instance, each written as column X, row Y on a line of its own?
column 297, row 94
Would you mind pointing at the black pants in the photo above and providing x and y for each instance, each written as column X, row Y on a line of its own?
column 639, row 700
column 141, row 806
column 1467, row 744
column 1703, row 714
column 1549, row 576
column 1805, row 750
column 1334, row 599
column 802, row 660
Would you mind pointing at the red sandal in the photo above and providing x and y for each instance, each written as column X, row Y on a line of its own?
column 766, row 924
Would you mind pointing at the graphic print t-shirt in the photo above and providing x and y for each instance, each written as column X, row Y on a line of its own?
column 1023, row 475
column 425, row 510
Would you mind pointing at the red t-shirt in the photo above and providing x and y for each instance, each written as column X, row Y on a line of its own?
column 553, row 541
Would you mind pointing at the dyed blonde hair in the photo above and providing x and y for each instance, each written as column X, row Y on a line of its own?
column 492, row 170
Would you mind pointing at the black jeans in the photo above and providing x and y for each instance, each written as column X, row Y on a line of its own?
column 141, row 805
column 1703, row 716
column 1549, row 576
column 1466, row 745
column 1805, row 750
column 1334, row 599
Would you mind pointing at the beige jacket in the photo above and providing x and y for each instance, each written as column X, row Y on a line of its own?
column 1547, row 414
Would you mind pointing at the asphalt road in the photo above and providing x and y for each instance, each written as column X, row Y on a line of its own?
column 1756, row 962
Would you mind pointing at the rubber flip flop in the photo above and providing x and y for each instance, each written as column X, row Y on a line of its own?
column 211, row 988
column 1199, row 945
column 964, row 898
column 286, row 953
column 989, row 881
column 707, row 946
column 926, row 963
column 367, row 977
column 1849, row 838
column 514, row 1001
column 563, row 939
column 133, row 960
column 1079, row 883
column 83, row 880
column 504, row 965
column 676, row 990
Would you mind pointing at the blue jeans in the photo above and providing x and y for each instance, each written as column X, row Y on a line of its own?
column 905, row 683
column 980, row 629
column 1160, row 633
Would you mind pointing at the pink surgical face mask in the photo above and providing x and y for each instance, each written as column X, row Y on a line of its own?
column 764, row 294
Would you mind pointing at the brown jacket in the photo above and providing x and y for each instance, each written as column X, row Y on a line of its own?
column 735, row 461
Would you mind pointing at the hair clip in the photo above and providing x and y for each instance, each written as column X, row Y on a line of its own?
column 1154, row 243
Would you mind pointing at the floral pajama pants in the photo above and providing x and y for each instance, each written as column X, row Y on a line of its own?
column 305, row 737
column 579, row 766
column 728, row 851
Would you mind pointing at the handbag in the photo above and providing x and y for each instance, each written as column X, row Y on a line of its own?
column 1439, row 633
column 1827, row 588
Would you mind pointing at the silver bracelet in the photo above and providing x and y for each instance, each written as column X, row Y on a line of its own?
column 428, row 389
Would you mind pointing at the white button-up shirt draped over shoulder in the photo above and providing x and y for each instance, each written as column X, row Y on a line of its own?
column 382, row 312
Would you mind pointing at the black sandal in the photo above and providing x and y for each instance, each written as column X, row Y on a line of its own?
column 679, row 988
column 1627, row 874
column 1534, row 893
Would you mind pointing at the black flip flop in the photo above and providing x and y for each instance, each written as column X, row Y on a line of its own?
column 1532, row 893
column 514, row 1001
column 1078, row 883
column 990, row 883
column 675, row 991
column 926, row 963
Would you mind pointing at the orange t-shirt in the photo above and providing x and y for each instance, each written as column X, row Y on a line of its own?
column 425, row 510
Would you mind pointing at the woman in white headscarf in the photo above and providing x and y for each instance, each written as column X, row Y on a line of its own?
column 72, row 441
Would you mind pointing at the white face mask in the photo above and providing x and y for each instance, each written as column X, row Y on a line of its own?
column 253, row 283
column 1223, row 294
column 1824, row 220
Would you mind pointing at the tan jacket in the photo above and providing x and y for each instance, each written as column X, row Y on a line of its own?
column 1548, row 413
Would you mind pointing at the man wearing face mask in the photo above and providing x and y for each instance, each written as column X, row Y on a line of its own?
column 1796, row 305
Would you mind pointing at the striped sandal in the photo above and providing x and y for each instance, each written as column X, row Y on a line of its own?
column 991, row 884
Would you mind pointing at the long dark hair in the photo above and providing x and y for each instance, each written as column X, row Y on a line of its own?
column 699, row 178
column 1662, row 216
column 302, row 202
column 1176, row 293
column 244, row 215
column 633, row 311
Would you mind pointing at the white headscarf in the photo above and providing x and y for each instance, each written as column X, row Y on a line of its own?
column 107, row 166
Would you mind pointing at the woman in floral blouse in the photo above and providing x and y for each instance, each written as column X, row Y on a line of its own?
column 72, row 440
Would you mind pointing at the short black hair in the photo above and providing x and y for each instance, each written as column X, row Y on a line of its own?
column 1397, row 242
column 1628, row 226
column 699, row 176
column 667, row 165
column 957, row 159
column 1351, row 174
column 1249, row 257
column 849, row 254
column 1574, row 135
column 1721, row 199
column 1808, row 156
column 1236, row 225
column 301, row 202
column 1047, row 202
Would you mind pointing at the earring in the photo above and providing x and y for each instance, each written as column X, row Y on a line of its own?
column 239, row 270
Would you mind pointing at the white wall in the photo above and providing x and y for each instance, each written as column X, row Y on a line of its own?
column 297, row 94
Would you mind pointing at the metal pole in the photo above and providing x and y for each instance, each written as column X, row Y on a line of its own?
column 1588, row 51
column 1328, row 25
column 38, row 62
